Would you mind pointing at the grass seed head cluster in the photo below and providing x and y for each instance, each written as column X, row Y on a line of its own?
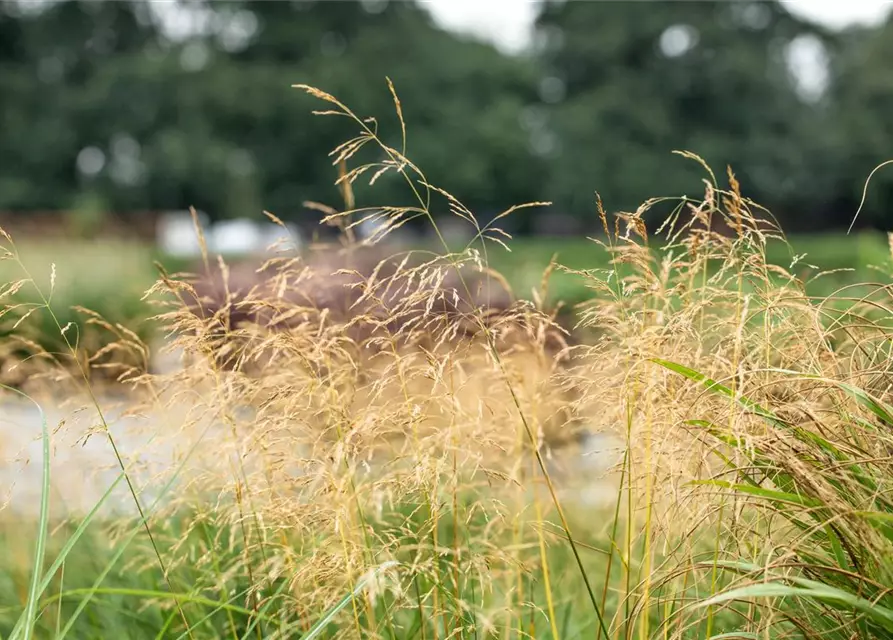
column 363, row 443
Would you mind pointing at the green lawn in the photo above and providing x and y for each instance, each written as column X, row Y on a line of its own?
column 110, row 276
column 858, row 253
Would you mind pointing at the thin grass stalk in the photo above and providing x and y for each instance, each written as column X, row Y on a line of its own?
column 222, row 585
column 615, row 547
column 101, row 415
column 544, row 562
column 544, row 559
column 516, row 594
column 401, row 162
column 649, row 498
column 630, row 515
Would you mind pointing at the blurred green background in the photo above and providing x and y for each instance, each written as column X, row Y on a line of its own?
column 113, row 113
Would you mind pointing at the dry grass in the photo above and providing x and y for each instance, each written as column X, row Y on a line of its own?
column 388, row 448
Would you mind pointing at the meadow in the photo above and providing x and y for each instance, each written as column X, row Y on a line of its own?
column 404, row 471
column 110, row 276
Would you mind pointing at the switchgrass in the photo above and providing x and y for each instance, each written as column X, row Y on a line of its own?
column 398, row 451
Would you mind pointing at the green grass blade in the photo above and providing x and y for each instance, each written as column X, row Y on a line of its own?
column 198, row 623
column 89, row 593
column 133, row 534
column 804, row 435
column 825, row 594
column 879, row 409
column 883, row 522
column 837, row 547
column 26, row 622
column 763, row 464
column 72, row 540
column 327, row 618
column 716, row 387
column 187, row 598
column 781, row 497
column 262, row 611
column 747, row 403
column 167, row 625
column 761, row 492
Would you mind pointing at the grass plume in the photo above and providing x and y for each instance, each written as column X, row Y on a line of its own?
column 360, row 441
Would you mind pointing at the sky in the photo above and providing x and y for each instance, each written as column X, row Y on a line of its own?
column 507, row 22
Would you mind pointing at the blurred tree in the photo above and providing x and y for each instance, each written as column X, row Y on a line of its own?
column 172, row 105
column 53, row 110
column 860, row 127
column 627, row 82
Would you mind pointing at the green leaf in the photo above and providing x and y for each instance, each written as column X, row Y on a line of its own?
column 766, row 467
column 755, row 408
column 155, row 594
column 836, row 547
column 825, row 594
column 323, row 622
column 137, row 528
column 26, row 621
column 82, row 527
column 761, row 492
column 880, row 520
column 716, row 387
column 261, row 613
column 884, row 413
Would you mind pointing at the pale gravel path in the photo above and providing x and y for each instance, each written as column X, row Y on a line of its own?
column 82, row 471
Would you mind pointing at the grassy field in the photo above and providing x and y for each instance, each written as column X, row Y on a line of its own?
column 443, row 557
column 408, row 473
column 454, row 553
column 852, row 258
column 110, row 276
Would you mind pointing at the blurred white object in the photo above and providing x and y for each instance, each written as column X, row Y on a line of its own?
column 375, row 227
column 243, row 236
column 176, row 235
column 238, row 236
column 371, row 226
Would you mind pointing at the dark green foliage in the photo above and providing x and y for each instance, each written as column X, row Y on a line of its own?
column 216, row 123
column 645, row 78
column 596, row 104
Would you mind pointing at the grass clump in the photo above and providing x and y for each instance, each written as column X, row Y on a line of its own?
column 367, row 445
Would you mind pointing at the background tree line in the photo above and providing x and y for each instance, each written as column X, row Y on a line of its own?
column 129, row 106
